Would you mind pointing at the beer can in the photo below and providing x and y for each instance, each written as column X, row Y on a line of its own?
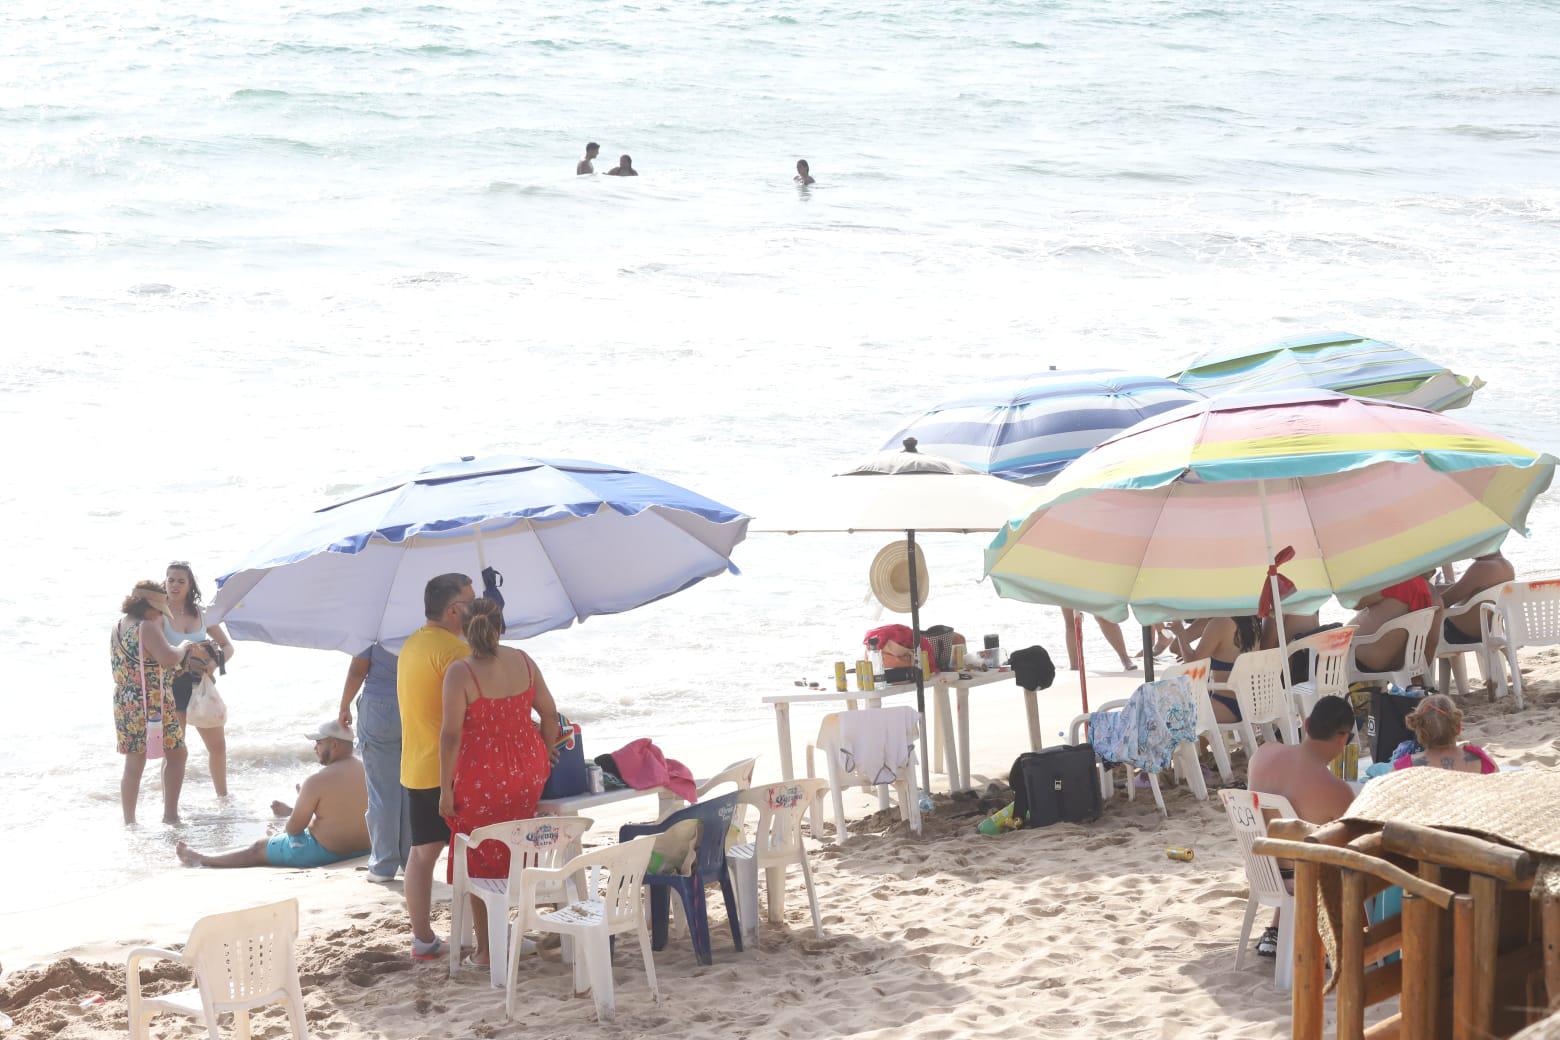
column 1182, row 854
column 839, row 676
column 926, row 663
column 1351, row 761
column 958, row 657
column 866, row 666
column 593, row 779
column 1336, row 765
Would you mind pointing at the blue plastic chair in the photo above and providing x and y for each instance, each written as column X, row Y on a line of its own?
column 714, row 817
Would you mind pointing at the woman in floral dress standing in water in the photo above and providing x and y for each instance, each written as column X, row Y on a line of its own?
column 493, row 760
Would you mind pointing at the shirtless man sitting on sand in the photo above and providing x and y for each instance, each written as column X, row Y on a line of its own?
column 1299, row 773
column 328, row 823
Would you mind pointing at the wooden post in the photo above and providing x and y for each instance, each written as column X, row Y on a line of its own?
column 1435, row 957
column 1307, row 999
column 1351, row 959
column 1550, row 914
column 1462, row 969
column 1420, row 991
column 1486, row 950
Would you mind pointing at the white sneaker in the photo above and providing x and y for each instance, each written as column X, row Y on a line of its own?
column 380, row 879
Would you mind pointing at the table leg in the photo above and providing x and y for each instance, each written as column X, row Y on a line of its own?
column 964, row 739
column 938, row 729
column 783, row 725
column 1032, row 709
column 950, row 748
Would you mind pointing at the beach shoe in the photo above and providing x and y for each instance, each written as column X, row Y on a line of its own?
column 436, row 950
column 380, row 879
column 1267, row 945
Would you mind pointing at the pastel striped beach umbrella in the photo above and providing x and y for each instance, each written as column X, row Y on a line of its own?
column 1338, row 361
column 1029, row 427
column 1182, row 515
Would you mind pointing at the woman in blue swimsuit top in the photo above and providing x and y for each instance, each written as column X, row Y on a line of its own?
column 186, row 623
column 1223, row 640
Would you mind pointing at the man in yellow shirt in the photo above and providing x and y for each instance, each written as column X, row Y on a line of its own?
column 425, row 657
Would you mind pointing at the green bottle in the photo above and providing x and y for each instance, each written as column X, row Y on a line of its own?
column 999, row 821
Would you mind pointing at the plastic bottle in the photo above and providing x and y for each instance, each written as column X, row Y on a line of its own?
column 657, row 864
column 999, row 821
column 874, row 656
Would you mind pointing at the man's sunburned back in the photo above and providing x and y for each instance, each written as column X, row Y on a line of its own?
column 1316, row 795
column 341, row 790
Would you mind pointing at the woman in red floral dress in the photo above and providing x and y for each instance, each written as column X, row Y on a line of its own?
column 493, row 759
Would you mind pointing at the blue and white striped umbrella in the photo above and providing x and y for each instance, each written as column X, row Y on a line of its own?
column 1028, row 428
column 1338, row 361
column 571, row 539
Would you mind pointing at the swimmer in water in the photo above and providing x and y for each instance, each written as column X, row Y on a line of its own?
column 586, row 165
column 624, row 168
column 802, row 176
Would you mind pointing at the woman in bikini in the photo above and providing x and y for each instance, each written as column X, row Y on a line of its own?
column 493, row 759
column 186, row 623
column 1436, row 724
column 1223, row 640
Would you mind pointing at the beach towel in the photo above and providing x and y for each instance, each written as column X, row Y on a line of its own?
column 1158, row 717
column 877, row 744
column 642, row 766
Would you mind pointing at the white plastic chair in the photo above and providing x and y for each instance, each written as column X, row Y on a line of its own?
column 611, row 904
column 1259, row 681
column 1208, row 724
column 1417, row 626
column 1527, row 613
column 1184, row 762
column 904, row 782
column 1266, row 884
column 776, row 845
column 1329, row 667
column 241, row 960
column 540, row 842
column 1449, row 654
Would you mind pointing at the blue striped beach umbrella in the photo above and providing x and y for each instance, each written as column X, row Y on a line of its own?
column 1338, row 361
column 1029, row 427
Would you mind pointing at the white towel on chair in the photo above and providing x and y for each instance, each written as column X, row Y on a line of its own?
column 876, row 743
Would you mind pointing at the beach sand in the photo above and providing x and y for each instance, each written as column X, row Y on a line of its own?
column 1070, row 931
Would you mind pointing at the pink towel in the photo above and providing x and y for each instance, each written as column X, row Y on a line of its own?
column 642, row 766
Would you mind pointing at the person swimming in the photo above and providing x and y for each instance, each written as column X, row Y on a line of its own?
column 624, row 168
column 803, row 177
column 587, row 164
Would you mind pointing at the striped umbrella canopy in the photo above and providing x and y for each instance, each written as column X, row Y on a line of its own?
column 1028, row 428
column 1181, row 515
column 1338, row 361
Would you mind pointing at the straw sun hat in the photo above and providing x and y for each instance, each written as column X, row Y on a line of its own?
column 890, row 577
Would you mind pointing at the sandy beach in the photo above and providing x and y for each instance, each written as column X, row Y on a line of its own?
column 1087, row 929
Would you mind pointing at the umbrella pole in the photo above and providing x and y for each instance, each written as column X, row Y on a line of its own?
column 1083, row 669
column 1148, row 653
column 920, row 675
column 1278, row 604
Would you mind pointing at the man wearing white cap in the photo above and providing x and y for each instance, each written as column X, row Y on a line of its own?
column 326, row 825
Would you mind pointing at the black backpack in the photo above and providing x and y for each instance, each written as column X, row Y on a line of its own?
column 1055, row 785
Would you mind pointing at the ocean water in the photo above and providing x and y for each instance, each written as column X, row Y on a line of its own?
column 252, row 260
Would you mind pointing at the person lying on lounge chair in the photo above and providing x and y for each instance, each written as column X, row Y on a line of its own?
column 326, row 825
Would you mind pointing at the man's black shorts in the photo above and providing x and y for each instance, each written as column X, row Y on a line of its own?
column 428, row 827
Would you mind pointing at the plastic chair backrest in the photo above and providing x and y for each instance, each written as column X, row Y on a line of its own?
column 781, row 809
column 1468, row 609
column 1259, row 676
column 1532, row 612
column 1245, row 811
column 739, row 773
column 829, row 733
column 1197, row 673
column 713, row 817
column 624, row 864
column 540, row 842
column 245, row 954
column 1329, row 659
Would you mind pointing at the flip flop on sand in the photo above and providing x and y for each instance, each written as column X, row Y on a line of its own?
column 438, row 949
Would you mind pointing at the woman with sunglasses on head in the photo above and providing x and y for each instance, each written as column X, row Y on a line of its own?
column 143, row 663
column 186, row 623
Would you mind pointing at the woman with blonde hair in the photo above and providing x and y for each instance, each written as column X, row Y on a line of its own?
column 493, row 760
column 185, row 623
column 143, row 663
column 1437, row 723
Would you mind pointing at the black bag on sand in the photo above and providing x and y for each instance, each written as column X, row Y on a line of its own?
column 1386, row 728
column 1057, row 785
